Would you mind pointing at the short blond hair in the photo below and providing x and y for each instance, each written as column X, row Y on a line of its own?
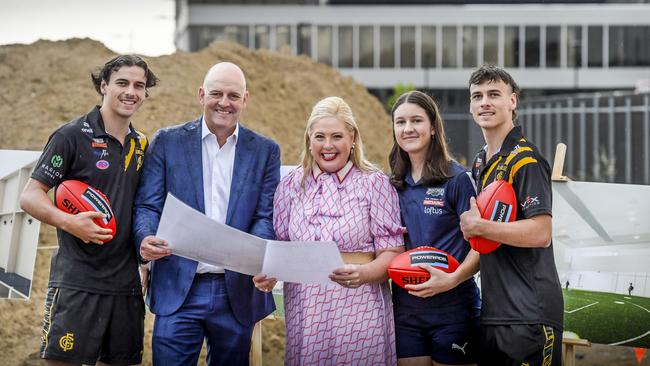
column 337, row 108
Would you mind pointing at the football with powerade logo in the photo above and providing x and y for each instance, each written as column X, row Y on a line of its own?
column 497, row 202
column 404, row 269
column 73, row 196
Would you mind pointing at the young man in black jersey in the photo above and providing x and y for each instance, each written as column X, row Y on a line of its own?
column 94, row 311
column 522, row 309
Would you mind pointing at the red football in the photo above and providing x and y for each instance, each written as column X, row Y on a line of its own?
column 74, row 196
column 404, row 269
column 497, row 202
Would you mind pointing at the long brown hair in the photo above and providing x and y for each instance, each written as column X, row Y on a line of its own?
column 437, row 160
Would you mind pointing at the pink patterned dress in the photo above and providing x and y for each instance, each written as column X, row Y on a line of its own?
column 333, row 325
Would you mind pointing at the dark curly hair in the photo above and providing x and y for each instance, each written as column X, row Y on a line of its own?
column 115, row 64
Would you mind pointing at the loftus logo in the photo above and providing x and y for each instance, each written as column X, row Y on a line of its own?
column 501, row 212
column 431, row 258
column 98, row 203
column 102, row 164
column 431, row 210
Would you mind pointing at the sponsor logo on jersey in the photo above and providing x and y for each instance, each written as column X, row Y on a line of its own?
column 50, row 172
column 434, row 202
column 102, row 164
column 56, row 161
column 101, row 153
column 530, row 202
column 432, row 210
column 99, row 143
column 435, row 192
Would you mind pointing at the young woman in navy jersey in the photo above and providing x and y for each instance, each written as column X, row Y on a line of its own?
column 436, row 321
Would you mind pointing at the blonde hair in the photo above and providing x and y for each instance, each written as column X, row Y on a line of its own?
column 337, row 108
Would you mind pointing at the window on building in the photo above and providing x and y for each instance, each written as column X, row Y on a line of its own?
column 552, row 46
column 325, row 44
column 428, row 47
column 532, row 52
column 629, row 46
column 386, row 46
column 511, row 46
column 574, row 46
column 304, row 39
column 595, row 46
column 449, row 47
column 470, row 47
column 407, row 47
column 366, row 46
column 345, row 46
column 262, row 39
column 283, row 38
column 491, row 45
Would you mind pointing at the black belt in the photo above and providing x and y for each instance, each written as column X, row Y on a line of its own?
column 208, row 275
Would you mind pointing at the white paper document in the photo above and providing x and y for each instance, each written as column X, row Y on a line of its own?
column 193, row 235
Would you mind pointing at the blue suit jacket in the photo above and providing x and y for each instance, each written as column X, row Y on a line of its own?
column 173, row 164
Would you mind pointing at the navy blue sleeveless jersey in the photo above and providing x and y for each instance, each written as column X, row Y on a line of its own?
column 431, row 215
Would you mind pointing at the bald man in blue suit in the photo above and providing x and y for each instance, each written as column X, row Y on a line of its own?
column 230, row 173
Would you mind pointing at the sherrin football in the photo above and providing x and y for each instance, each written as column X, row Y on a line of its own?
column 73, row 196
column 497, row 202
column 404, row 269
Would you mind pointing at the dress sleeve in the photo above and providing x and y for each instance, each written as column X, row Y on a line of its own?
column 282, row 205
column 385, row 224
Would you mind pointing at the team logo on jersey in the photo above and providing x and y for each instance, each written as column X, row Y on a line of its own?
column 99, row 143
column 67, row 342
column 102, row 164
column 56, row 161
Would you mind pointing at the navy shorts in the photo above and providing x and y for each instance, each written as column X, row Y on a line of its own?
column 433, row 334
column 518, row 344
column 83, row 327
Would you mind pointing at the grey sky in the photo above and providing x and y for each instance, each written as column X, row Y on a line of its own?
column 125, row 26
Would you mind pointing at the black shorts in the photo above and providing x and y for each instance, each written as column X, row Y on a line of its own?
column 518, row 344
column 447, row 340
column 83, row 327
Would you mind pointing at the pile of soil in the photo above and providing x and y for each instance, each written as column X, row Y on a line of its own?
column 46, row 83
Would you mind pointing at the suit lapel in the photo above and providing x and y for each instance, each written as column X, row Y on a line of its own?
column 194, row 160
column 241, row 169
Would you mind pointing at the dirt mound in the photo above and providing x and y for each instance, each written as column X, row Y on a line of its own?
column 45, row 84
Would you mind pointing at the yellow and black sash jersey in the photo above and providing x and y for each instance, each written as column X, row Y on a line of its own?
column 520, row 285
column 82, row 150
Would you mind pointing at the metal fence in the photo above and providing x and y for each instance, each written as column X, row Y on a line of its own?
column 607, row 134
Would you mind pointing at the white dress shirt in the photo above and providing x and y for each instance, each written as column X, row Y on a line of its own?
column 218, row 163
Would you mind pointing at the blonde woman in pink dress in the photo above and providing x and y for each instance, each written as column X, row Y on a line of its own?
column 336, row 194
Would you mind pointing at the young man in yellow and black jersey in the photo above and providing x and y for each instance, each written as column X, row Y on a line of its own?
column 522, row 310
